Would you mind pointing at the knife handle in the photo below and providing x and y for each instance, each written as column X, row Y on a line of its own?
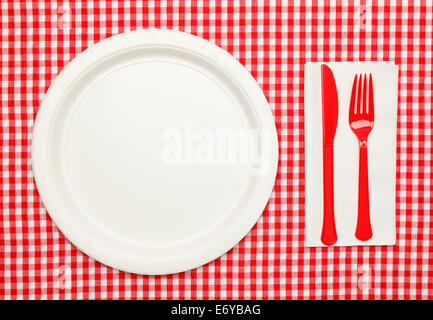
column 329, row 233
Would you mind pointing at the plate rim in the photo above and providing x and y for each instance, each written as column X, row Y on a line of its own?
column 51, row 103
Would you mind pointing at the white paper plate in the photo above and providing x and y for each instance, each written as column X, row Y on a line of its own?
column 122, row 151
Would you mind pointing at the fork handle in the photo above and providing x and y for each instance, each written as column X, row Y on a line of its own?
column 329, row 233
column 363, row 227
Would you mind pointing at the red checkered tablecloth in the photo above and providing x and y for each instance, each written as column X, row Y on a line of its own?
column 273, row 40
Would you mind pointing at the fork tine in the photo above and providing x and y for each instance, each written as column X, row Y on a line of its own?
column 353, row 98
column 370, row 98
column 358, row 104
column 364, row 95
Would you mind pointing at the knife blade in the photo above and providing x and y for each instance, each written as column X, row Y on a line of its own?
column 329, row 126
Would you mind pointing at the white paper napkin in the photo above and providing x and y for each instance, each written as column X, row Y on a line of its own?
column 381, row 155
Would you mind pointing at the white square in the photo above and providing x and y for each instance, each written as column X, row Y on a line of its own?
column 381, row 155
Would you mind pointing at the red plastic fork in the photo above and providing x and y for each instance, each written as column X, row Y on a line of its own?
column 361, row 120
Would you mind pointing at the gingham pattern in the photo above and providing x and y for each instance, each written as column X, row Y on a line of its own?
column 273, row 40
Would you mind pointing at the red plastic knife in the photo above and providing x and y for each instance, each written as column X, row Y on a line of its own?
column 329, row 124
